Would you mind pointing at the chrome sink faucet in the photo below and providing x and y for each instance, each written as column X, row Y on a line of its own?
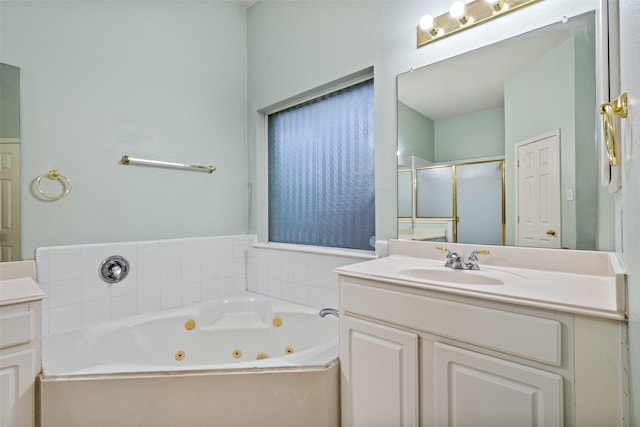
column 457, row 262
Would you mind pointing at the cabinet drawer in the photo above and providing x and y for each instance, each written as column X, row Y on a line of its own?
column 531, row 337
column 16, row 328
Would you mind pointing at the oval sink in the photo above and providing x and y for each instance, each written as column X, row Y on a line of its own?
column 448, row 275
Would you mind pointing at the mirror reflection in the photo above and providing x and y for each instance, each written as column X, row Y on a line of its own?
column 9, row 163
column 499, row 145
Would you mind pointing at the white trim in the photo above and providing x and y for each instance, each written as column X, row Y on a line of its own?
column 9, row 140
column 334, row 86
column 318, row 250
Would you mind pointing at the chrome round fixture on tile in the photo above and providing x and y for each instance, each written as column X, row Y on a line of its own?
column 114, row 269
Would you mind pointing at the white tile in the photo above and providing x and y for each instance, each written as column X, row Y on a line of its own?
column 190, row 293
column 94, row 288
column 252, row 282
column 225, row 269
column 170, row 276
column 148, row 254
column 300, row 272
column 209, row 249
column 149, row 301
column 239, row 267
column 274, row 288
column 190, row 251
column 225, row 248
column 315, row 297
column 124, row 306
column 287, row 293
column 208, row 270
column 190, row 274
column 225, row 286
column 170, row 297
column 330, row 299
column 239, row 283
column 148, row 279
column 209, row 289
column 45, row 317
column 169, row 252
column 128, row 286
column 240, row 248
column 65, row 292
column 67, row 318
column 314, row 275
column 65, row 262
column 96, row 311
column 300, row 295
column 42, row 269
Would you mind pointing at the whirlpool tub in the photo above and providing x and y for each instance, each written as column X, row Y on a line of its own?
column 237, row 361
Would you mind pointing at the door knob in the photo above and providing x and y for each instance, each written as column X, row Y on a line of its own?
column 551, row 232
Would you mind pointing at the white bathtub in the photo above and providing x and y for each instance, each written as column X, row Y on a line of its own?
column 249, row 359
column 226, row 333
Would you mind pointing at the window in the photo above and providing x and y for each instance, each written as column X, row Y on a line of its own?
column 321, row 170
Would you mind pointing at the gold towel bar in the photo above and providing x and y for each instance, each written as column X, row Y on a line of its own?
column 127, row 160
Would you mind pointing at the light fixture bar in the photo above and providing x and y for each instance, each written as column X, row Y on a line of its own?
column 475, row 12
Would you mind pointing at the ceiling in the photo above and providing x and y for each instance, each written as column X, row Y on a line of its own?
column 474, row 81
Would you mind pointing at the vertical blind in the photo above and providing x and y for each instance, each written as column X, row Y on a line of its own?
column 321, row 170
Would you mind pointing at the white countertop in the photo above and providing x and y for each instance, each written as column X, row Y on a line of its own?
column 15, row 291
column 601, row 293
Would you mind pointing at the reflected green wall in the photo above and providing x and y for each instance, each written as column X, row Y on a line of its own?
column 415, row 135
column 9, row 101
column 553, row 93
column 467, row 136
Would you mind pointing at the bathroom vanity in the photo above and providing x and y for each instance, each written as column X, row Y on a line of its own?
column 535, row 337
column 20, row 342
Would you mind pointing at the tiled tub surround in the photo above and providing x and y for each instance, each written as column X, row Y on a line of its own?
column 170, row 273
column 163, row 274
column 303, row 275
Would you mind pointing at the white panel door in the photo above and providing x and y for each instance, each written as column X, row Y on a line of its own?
column 17, row 372
column 472, row 389
column 9, row 202
column 379, row 375
column 538, row 216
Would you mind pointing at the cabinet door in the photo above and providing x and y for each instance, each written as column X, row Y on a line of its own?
column 472, row 389
column 379, row 375
column 17, row 371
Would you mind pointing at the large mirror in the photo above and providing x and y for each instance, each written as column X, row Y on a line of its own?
column 504, row 138
column 9, row 163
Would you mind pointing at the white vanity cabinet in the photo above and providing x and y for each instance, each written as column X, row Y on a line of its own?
column 412, row 356
column 20, row 348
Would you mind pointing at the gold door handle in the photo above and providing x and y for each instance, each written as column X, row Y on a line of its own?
column 551, row 232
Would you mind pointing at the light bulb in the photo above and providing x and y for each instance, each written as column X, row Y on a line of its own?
column 457, row 10
column 427, row 24
column 496, row 5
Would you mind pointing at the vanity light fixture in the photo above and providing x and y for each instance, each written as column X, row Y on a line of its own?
column 462, row 16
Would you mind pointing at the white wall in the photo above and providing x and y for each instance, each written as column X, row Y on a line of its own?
column 161, row 80
column 628, row 199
